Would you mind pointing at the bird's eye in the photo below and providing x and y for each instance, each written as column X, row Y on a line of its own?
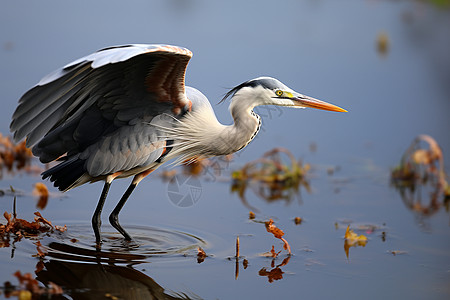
column 279, row 93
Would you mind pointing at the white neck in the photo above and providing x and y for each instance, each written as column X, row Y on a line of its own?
column 200, row 134
column 246, row 122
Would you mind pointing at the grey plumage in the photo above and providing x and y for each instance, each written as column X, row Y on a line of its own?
column 124, row 111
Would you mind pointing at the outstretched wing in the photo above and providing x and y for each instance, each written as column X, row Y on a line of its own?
column 77, row 105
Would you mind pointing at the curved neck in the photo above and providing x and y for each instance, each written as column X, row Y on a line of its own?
column 246, row 122
column 199, row 133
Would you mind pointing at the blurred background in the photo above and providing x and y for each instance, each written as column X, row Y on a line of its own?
column 386, row 62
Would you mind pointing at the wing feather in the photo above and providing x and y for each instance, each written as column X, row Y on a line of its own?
column 81, row 104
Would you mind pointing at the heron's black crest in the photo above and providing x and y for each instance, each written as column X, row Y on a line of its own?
column 265, row 82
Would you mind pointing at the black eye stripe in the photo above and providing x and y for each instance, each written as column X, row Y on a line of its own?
column 267, row 82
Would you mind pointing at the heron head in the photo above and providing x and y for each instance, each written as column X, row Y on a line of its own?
column 270, row 91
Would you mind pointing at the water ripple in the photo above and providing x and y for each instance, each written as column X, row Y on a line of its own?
column 78, row 244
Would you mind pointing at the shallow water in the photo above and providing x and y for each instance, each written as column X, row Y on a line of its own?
column 324, row 49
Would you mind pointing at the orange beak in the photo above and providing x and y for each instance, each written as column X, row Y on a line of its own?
column 306, row 101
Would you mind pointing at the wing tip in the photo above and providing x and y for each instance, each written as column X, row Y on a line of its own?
column 149, row 48
column 170, row 48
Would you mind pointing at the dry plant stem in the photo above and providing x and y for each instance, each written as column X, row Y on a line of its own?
column 14, row 208
column 288, row 248
column 236, row 274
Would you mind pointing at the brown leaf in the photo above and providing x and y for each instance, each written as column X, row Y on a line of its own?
column 274, row 274
column 201, row 255
column 9, row 223
column 27, row 281
column 278, row 233
column 273, row 253
column 39, row 267
column 382, row 43
column 245, row 263
column 284, row 262
column 22, row 228
column 40, row 249
column 61, row 228
column 41, row 191
column 13, row 155
column 40, row 218
column 42, row 202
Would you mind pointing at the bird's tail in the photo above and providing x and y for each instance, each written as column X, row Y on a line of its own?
column 67, row 174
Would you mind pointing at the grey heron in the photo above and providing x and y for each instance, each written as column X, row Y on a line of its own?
column 125, row 110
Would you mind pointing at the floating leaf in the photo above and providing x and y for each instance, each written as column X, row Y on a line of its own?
column 278, row 233
column 272, row 253
column 274, row 274
column 41, row 252
column 29, row 288
column 383, row 43
column 245, row 263
column 353, row 240
column 41, row 191
column 351, row 236
column 13, row 156
column 201, row 255
column 22, row 228
column 61, row 228
column 40, row 218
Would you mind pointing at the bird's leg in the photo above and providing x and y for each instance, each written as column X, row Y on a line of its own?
column 96, row 218
column 114, row 216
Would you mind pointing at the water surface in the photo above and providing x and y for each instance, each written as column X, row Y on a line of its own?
column 326, row 49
